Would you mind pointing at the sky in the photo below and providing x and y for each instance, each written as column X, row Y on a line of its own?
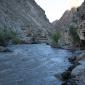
column 54, row 9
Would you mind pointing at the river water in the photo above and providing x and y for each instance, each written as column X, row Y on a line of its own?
column 34, row 64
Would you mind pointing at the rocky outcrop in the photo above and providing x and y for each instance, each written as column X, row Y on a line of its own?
column 4, row 49
column 79, row 71
column 79, row 19
column 75, row 74
column 26, row 18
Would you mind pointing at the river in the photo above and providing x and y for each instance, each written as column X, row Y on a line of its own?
column 35, row 64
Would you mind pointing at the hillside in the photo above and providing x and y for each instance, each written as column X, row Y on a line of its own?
column 62, row 26
column 26, row 18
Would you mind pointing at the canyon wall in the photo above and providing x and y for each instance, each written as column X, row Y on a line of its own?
column 26, row 18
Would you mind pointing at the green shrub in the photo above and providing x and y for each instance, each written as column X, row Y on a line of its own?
column 6, row 35
column 55, row 37
column 74, row 34
column 17, row 40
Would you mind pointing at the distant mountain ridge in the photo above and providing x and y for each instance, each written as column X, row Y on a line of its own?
column 65, row 20
column 62, row 26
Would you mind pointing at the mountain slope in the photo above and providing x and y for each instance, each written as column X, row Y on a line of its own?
column 65, row 20
column 26, row 17
column 62, row 26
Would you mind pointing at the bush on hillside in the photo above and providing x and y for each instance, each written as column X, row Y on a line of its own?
column 6, row 35
column 55, row 37
column 74, row 34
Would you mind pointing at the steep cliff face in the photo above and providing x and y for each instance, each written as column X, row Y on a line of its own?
column 25, row 17
column 79, row 20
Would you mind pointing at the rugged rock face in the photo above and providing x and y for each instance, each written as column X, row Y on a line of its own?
column 26, row 18
column 79, row 19
column 62, row 26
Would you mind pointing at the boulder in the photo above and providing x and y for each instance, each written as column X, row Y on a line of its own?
column 4, row 49
column 79, row 73
column 80, row 57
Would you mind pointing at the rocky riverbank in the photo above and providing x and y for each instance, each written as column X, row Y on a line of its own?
column 75, row 74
